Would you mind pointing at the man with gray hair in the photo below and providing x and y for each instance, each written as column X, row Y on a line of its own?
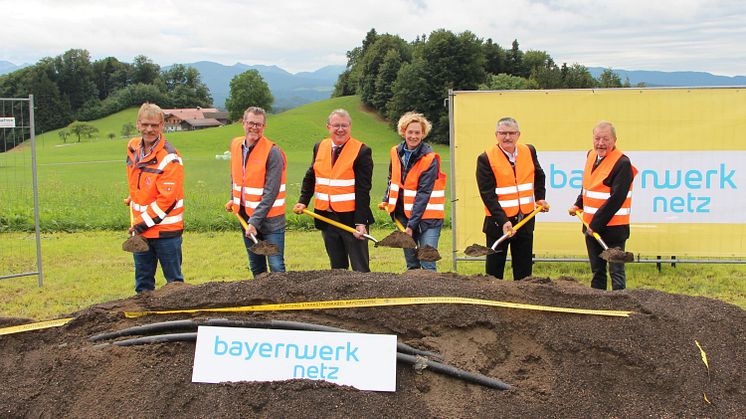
column 340, row 179
column 511, row 184
column 258, row 168
column 606, row 201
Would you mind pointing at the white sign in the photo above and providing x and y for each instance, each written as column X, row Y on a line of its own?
column 670, row 186
column 364, row 361
column 7, row 122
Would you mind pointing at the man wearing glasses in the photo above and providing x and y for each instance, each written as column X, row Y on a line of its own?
column 258, row 168
column 606, row 200
column 511, row 184
column 340, row 179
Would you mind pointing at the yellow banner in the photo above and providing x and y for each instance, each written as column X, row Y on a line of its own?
column 681, row 211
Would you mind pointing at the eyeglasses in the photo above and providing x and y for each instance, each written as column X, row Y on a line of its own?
column 340, row 126
column 507, row 133
column 255, row 124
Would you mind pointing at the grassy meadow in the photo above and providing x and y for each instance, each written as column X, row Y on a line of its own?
column 82, row 185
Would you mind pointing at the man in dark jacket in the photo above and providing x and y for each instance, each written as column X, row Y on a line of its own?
column 340, row 179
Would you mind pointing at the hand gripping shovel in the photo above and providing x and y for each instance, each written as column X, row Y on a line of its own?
column 261, row 248
column 135, row 243
column 615, row 254
column 478, row 250
column 339, row 225
column 426, row 253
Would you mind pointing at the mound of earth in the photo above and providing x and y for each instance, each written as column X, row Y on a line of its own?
column 559, row 364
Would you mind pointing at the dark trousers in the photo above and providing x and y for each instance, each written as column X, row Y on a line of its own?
column 345, row 250
column 521, row 253
column 598, row 265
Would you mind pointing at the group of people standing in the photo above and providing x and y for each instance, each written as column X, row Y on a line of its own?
column 339, row 180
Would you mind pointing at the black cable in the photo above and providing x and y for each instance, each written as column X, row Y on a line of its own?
column 148, row 328
column 453, row 371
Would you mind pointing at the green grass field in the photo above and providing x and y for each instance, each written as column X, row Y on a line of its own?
column 82, row 185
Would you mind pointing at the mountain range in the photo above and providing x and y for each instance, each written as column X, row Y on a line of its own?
column 292, row 90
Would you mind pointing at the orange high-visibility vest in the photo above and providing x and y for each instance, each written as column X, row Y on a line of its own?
column 436, row 205
column 250, row 181
column 335, row 186
column 595, row 193
column 514, row 190
column 156, row 187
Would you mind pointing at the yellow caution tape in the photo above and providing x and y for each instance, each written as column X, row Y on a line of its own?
column 707, row 366
column 381, row 302
column 34, row 326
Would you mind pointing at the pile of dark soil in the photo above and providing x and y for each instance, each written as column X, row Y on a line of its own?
column 560, row 365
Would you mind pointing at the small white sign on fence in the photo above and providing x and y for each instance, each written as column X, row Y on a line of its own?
column 7, row 122
column 363, row 361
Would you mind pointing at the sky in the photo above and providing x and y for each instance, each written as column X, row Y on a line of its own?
column 305, row 35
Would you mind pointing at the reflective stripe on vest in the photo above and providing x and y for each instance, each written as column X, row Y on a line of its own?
column 514, row 190
column 251, row 178
column 335, row 186
column 595, row 193
column 435, row 208
column 156, row 202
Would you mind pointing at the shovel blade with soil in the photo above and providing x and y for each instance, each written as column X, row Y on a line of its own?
column 428, row 253
column 476, row 250
column 264, row 248
column 617, row 255
column 135, row 244
column 610, row 254
column 260, row 247
column 425, row 253
column 398, row 239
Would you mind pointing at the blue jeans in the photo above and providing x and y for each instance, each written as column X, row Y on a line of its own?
column 428, row 237
column 166, row 251
column 258, row 263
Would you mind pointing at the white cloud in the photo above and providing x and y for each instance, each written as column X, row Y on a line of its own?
column 301, row 35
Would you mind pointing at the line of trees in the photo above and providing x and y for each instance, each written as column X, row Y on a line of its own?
column 71, row 87
column 394, row 76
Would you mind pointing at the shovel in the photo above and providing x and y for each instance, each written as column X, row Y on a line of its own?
column 478, row 250
column 261, row 248
column 613, row 255
column 135, row 243
column 426, row 253
column 340, row 226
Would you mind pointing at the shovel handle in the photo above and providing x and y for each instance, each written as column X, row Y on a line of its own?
column 246, row 227
column 596, row 236
column 132, row 219
column 337, row 224
column 517, row 226
column 398, row 224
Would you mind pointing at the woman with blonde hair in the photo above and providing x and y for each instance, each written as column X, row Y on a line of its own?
column 415, row 194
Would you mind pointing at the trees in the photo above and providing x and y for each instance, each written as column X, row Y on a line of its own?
column 609, row 79
column 372, row 61
column 80, row 129
column 185, row 87
column 504, row 81
column 248, row 89
column 63, row 135
column 128, row 129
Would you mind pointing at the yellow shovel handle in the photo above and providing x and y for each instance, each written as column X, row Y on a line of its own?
column 518, row 225
column 336, row 224
column 398, row 224
column 596, row 236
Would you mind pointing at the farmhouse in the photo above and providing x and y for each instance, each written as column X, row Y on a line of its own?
column 194, row 119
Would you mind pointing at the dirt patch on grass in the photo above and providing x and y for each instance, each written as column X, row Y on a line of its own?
column 560, row 365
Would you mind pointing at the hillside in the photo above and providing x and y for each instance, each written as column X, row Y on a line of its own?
column 82, row 184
